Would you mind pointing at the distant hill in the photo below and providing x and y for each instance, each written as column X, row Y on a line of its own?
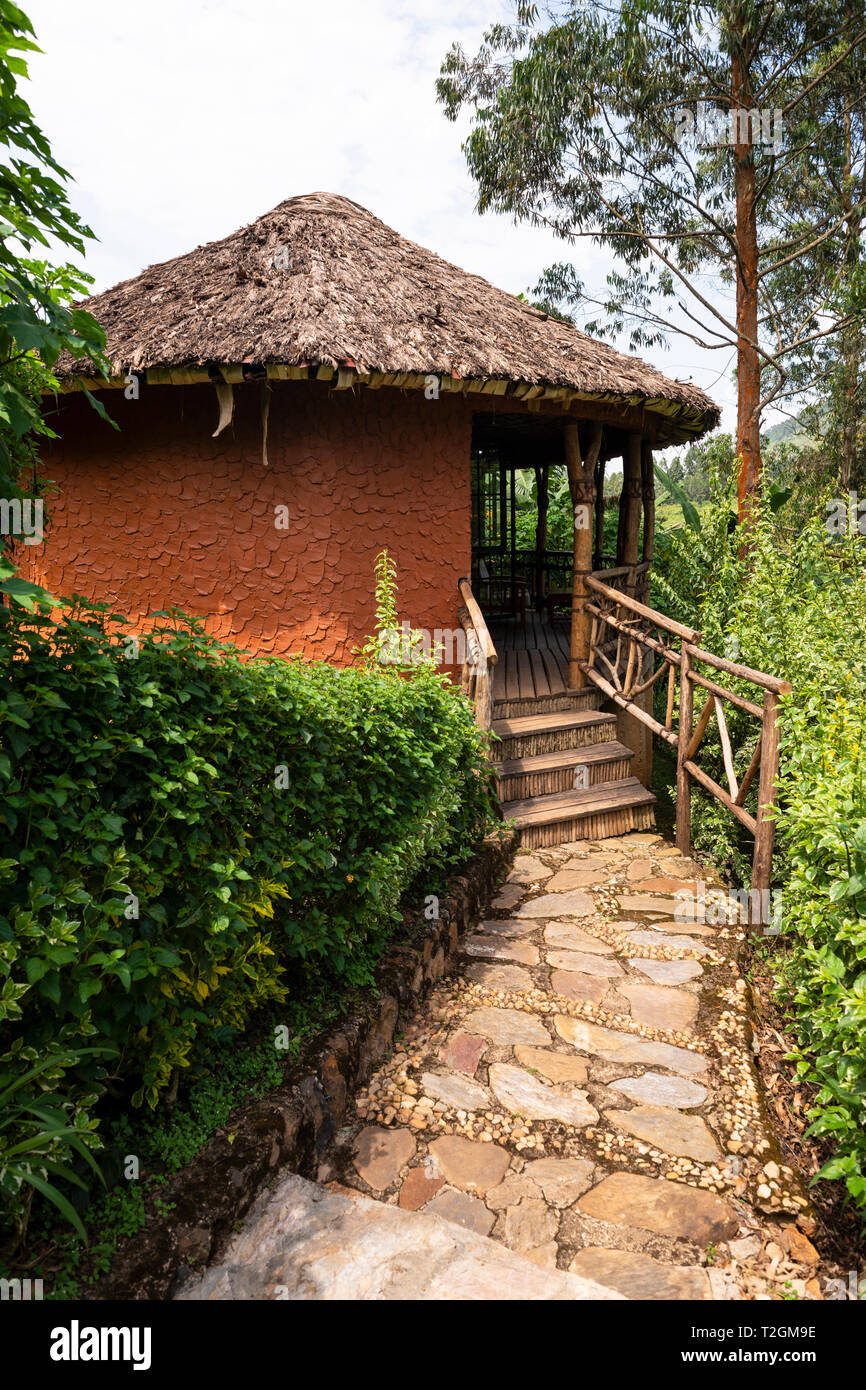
column 784, row 429
column 788, row 432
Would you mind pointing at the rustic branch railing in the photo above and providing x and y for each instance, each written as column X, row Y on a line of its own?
column 476, row 680
column 625, row 630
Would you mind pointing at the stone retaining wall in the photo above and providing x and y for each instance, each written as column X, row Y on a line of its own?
column 294, row 1126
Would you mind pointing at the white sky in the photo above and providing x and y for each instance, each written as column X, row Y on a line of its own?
column 182, row 120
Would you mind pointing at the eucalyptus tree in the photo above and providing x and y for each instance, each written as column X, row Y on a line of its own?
column 833, row 178
column 684, row 137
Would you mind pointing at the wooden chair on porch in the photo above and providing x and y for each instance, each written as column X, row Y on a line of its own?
column 558, row 599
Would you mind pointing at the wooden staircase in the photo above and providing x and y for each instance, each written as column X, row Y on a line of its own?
column 562, row 773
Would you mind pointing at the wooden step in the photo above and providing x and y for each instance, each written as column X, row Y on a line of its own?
column 519, row 706
column 533, row 734
column 613, row 808
column 547, row 773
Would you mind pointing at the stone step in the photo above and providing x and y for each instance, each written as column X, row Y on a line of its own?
column 547, row 773
column 531, row 735
column 303, row 1242
column 613, row 808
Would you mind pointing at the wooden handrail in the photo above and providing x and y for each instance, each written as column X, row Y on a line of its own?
column 642, row 637
column 611, row 574
column 744, row 673
column 485, row 641
column 765, row 758
column 477, row 675
column 725, row 694
column 688, row 634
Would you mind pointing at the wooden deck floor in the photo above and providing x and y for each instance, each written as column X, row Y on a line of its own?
column 533, row 660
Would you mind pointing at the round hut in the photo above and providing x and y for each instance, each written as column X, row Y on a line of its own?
column 315, row 388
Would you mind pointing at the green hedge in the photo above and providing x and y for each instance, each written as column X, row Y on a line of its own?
column 795, row 603
column 160, row 880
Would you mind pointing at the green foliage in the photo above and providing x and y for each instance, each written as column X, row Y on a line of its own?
column 796, row 607
column 37, row 321
column 560, row 512
column 37, row 1129
column 391, row 647
column 824, row 974
column 187, row 838
column 690, row 512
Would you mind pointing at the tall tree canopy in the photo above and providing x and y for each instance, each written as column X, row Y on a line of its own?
column 688, row 137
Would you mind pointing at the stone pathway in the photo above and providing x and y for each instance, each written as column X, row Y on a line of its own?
column 584, row 1090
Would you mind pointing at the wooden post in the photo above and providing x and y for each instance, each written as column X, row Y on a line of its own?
column 581, row 481
column 484, row 696
column 597, row 559
column 542, row 492
column 481, row 655
column 630, row 508
column 765, row 834
column 649, row 512
column 684, row 791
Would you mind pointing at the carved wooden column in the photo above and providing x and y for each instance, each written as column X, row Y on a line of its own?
column 630, row 508
column 581, row 481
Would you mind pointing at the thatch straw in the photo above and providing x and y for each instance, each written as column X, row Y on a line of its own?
column 319, row 280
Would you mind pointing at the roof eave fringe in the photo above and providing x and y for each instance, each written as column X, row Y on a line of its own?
column 687, row 419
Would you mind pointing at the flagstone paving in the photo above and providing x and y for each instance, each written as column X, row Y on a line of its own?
column 583, row 1089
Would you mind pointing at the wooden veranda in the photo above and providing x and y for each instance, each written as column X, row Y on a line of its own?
column 533, row 657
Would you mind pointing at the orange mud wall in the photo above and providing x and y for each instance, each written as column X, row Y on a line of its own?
column 159, row 513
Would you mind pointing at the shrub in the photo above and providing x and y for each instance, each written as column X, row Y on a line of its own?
column 794, row 604
column 186, row 837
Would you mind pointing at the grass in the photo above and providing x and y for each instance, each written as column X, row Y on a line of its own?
column 669, row 515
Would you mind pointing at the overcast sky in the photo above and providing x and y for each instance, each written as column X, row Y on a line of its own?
column 182, row 120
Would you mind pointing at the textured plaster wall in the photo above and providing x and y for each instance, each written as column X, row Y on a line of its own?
column 161, row 513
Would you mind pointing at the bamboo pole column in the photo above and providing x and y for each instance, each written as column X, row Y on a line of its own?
column 581, row 482
column 542, row 493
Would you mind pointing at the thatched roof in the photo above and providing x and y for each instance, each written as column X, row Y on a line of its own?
column 321, row 282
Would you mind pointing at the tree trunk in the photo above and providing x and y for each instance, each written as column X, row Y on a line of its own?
column 748, row 359
column 581, row 482
column 850, row 353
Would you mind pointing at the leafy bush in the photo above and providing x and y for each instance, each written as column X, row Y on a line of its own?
column 186, row 837
column 795, row 605
column 824, row 975
column 36, row 1131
